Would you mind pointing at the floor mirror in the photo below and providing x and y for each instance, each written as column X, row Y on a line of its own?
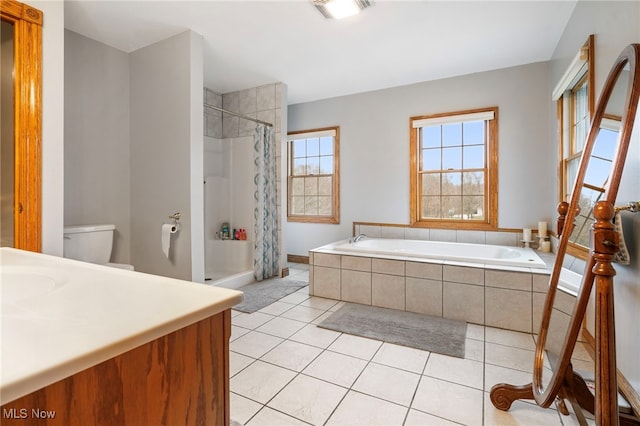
column 586, row 218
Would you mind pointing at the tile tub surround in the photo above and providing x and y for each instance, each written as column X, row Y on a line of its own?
column 497, row 296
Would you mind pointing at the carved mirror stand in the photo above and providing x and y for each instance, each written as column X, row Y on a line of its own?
column 591, row 205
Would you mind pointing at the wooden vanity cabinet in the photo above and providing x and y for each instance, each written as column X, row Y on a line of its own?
column 178, row 379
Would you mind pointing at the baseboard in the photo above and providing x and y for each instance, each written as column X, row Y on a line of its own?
column 294, row 258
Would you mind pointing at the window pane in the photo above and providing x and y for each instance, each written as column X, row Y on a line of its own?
column 311, row 186
column 299, row 148
column 326, row 165
column 297, row 186
column 572, row 171
column 326, row 145
column 324, row 206
column 313, row 147
column 473, row 157
column 311, row 205
column 597, row 172
column 473, row 207
column 431, row 184
column 605, row 144
column 452, row 158
column 473, row 183
column 452, row 207
column 473, row 132
column 299, row 166
column 313, row 165
column 582, row 232
column 431, row 137
column 431, row 159
column 431, row 208
column 581, row 116
column 452, row 134
column 325, row 185
column 452, row 183
column 297, row 205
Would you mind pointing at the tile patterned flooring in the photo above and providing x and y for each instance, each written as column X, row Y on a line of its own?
column 286, row 371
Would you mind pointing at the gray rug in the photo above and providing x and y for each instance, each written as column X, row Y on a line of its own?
column 260, row 294
column 434, row 334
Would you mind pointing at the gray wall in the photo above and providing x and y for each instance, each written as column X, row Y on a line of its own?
column 615, row 25
column 166, row 154
column 133, row 148
column 374, row 147
column 97, row 178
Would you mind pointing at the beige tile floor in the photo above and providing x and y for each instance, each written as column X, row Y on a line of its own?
column 286, row 371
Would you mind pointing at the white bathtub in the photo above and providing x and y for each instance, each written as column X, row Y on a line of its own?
column 438, row 250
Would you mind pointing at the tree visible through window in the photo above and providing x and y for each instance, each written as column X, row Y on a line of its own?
column 313, row 176
column 453, row 166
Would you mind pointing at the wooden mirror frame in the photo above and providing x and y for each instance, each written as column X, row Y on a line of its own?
column 565, row 383
column 27, row 24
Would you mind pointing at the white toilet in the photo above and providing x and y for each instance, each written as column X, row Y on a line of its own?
column 91, row 243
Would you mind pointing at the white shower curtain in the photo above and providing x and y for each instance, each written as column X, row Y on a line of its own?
column 265, row 254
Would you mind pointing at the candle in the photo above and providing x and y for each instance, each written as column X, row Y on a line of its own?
column 545, row 247
column 526, row 234
column 542, row 229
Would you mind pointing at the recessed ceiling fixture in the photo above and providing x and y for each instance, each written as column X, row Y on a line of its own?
column 338, row 9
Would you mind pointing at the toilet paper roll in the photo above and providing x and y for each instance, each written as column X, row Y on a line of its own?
column 167, row 230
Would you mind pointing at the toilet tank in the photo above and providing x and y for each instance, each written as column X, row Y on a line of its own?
column 89, row 243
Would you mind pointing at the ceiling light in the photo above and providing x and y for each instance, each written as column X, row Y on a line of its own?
column 338, row 9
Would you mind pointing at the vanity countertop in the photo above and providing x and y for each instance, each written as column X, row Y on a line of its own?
column 61, row 316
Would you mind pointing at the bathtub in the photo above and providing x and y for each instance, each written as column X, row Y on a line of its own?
column 497, row 286
column 438, row 250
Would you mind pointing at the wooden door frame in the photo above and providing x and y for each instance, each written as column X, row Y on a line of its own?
column 27, row 22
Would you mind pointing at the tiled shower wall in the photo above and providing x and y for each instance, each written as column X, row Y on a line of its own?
column 265, row 103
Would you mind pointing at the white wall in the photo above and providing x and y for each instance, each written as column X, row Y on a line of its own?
column 374, row 147
column 96, row 160
column 166, row 155
column 52, row 125
column 615, row 25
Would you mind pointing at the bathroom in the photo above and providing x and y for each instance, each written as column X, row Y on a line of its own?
column 74, row 190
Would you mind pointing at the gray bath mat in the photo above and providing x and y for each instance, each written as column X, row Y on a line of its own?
column 434, row 334
column 260, row 294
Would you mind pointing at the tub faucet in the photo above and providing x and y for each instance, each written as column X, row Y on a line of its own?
column 356, row 238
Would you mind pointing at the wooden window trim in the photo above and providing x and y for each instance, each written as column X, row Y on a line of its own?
column 491, row 184
column 27, row 22
column 587, row 51
column 335, row 218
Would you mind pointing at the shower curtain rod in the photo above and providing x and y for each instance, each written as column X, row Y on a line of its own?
column 238, row 115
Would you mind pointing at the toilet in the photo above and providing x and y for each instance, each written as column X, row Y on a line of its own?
column 91, row 243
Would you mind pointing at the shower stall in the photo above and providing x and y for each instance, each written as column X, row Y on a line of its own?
column 229, row 184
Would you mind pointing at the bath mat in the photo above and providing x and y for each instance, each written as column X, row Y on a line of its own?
column 260, row 294
column 434, row 334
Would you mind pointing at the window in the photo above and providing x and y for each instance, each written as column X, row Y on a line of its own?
column 454, row 167
column 314, row 176
column 575, row 101
column 574, row 95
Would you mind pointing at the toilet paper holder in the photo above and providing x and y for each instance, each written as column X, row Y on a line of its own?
column 175, row 217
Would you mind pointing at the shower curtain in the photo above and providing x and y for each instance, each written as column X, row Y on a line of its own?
column 265, row 254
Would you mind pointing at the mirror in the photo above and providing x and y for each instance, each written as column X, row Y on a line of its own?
column 594, row 181
column 597, row 177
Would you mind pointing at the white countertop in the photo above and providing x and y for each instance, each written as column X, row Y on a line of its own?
column 61, row 316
